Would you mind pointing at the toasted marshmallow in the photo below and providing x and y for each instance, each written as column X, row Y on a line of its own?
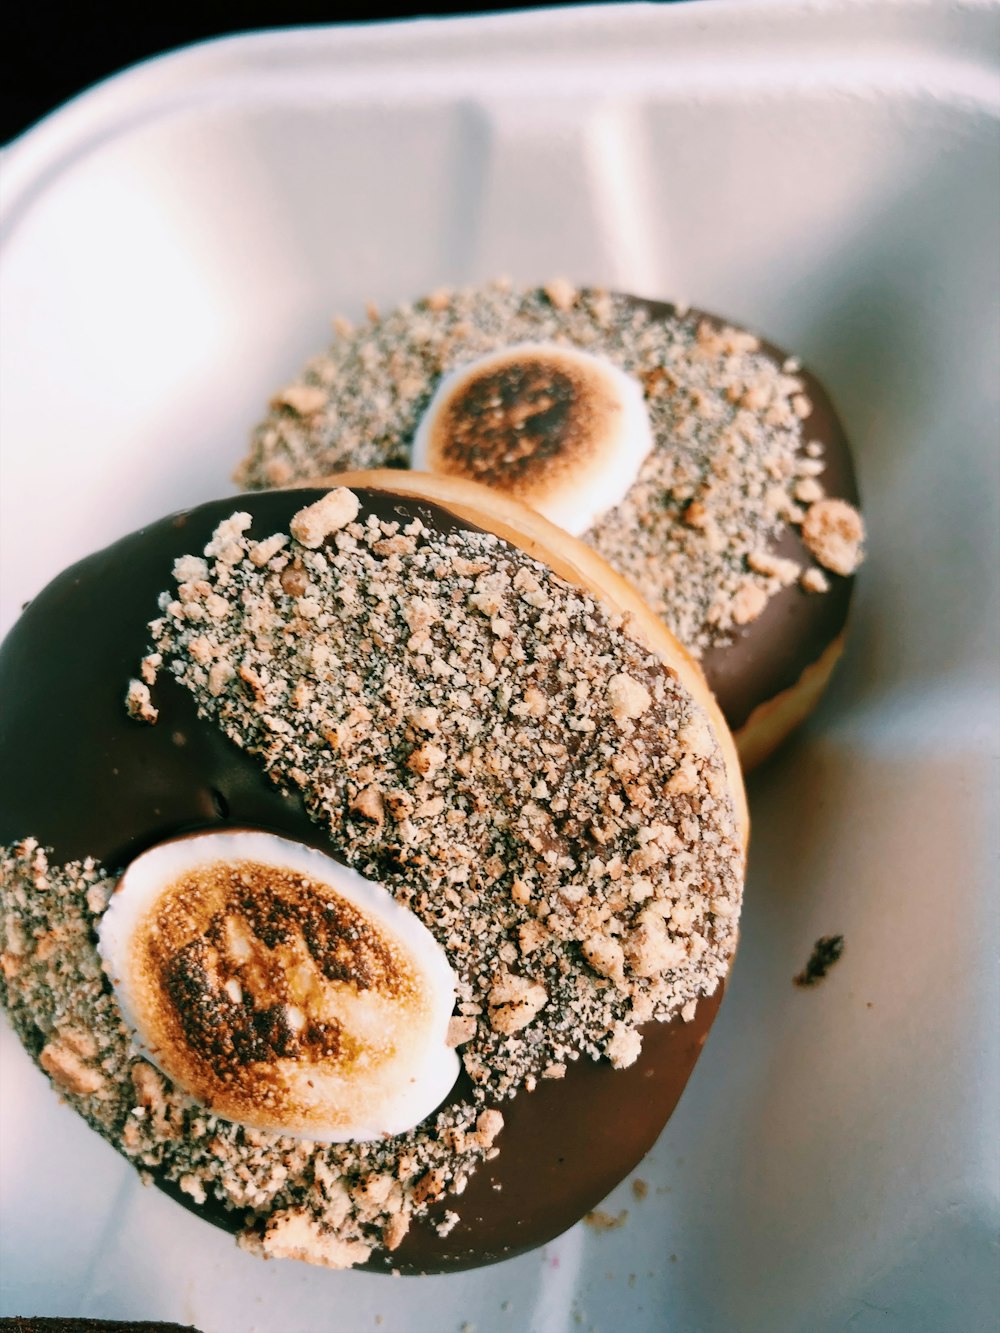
column 561, row 430
column 280, row 989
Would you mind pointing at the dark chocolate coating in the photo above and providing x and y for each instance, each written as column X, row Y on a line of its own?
column 80, row 776
column 769, row 655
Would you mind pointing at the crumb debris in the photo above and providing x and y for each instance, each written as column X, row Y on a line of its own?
column 826, row 951
column 834, row 532
column 139, row 702
column 303, row 399
column 814, row 580
column 599, row 1220
column 312, row 525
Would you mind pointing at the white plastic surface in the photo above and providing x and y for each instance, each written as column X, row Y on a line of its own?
column 174, row 244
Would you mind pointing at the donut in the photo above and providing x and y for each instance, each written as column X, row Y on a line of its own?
column 417, row 705
column 704, row 464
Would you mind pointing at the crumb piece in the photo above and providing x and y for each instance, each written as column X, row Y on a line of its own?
column 431, row 1186
column 438, row 300
column 139, row 703
column 395, row 1230
column 808, row 490
column 514, row 1002
column 303, row 399
column 369, row 805
column 261, row 552
column 312, row 525
column 814, row 580
column 149, row 666
column 194, row 1187
column 605, row 955
column 561, row 293
column 294, row 580
column 68, row 1071
column 531, row 935
column 602, row 1221
column 625, row 1046
column 488, row 1126
column 774, row 566
column 461, row 1029
column 834, row 532
column 294, row 1234
column 148, row 1085
column 426, row 759
column 425, row 719
column 219, row 676
column 639, row 1188
column 826, row 951
column 627, row 697
column 748, row 603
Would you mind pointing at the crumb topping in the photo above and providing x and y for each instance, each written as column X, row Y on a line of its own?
column 732, row 465
column 834, row 531
column 489, row 744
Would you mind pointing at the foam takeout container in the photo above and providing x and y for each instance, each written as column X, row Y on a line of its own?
column 173, row 246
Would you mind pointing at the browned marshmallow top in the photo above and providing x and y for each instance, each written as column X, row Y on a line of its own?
column 238, row 970
column 561, row 430
column 522, row 423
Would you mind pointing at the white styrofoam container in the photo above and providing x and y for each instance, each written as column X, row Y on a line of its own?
column 173, row 245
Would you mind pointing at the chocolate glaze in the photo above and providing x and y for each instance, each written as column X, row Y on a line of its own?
column 770, row 654
column 77, row 774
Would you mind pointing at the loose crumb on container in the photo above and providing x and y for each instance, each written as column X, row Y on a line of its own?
column 827, row 950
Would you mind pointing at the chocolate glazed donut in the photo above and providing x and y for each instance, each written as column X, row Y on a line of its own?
column 84, row 780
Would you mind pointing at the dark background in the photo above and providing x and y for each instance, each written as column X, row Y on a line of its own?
column 51, row 51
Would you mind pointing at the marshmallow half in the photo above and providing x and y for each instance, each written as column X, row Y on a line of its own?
column 280, row 989
column 559, row 429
